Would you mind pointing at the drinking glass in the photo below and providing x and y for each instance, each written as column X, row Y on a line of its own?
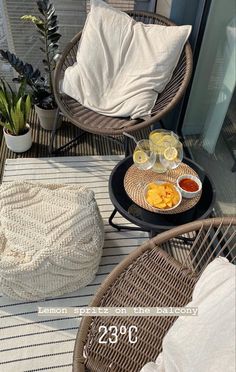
column 162, row 139
column 143, row 156
column 172, row 155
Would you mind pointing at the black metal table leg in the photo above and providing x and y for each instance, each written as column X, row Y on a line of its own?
column 68, row 143
column 122, row 227
column 52, row 151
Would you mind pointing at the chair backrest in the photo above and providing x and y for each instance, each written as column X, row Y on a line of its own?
column 202, row 241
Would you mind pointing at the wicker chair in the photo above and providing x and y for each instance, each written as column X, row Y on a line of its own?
column 110, row 127
column 151, row 277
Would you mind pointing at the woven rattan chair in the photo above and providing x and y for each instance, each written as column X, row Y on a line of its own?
column 151, row 277
column 110, row 127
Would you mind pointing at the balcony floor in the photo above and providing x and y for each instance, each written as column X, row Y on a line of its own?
column 88, row 145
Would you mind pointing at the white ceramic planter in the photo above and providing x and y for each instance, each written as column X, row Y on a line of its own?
column 20, row 143
column 46, row 117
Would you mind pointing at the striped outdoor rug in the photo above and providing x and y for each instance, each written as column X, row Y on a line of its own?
column 32, row 343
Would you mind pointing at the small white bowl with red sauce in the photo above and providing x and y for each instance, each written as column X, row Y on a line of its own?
column 189, row 185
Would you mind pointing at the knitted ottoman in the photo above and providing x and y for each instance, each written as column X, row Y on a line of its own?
column 51, row 239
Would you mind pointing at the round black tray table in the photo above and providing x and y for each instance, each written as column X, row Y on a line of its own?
column 155, row 222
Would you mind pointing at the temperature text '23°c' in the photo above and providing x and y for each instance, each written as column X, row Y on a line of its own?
column 111, row 334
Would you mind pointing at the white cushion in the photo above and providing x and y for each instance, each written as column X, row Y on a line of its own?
column 204, row 343
column 122, row 65
column 51, row 239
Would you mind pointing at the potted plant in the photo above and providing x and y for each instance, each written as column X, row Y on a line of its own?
column 42, row 86
column 14, row 113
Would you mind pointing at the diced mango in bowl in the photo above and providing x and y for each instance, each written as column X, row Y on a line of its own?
column 162, row 196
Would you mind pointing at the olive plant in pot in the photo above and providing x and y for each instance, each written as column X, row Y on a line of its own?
column 42, row 86
column 14, row 114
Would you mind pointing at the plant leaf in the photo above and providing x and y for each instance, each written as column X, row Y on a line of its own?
column 15, row 121
column 43, row 5
column 21, row 91
column 35, row 74
column 53, row 46
column 7, row 126
column 53, row 21
column 50, row 9
column 50, row 14
column 14, row 107
column 19, row 66
column 52, row 30
column 18, row 117
column 41, row 27
column 54, row 37
column 29, row 18
column 27, row 107
column 4, row 105
column 47, row 27
column 28, row 69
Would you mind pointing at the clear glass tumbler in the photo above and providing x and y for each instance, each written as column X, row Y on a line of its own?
column 172, row 156
column 144, row 157
column 162, row 139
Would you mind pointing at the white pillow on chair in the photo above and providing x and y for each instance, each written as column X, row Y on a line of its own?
column 122, row 64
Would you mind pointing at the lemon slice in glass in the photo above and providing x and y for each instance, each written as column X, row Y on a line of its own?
column 140, row 157
column 156, row 138
column 170, row 153
column 168, row 138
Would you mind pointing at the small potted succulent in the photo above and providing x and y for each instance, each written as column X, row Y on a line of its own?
column 42, row 86
column 14, row 113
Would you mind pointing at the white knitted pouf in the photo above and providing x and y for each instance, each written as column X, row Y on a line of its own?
column 51, row 239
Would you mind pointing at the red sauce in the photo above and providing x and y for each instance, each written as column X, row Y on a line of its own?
column 188, row 185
